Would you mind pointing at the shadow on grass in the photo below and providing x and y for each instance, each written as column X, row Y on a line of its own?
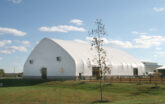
column 150, row 90
column 21, row 82
column 100, row 102
column 155, row 87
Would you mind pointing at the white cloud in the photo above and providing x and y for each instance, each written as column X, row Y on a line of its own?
column 139, row 33
column 89, row 38
column 158, row 48
column 16, row 1
column 146, row 41
column 104, row 39
column 17, row 48
column 122, row 44
column 143, row 41
column 13, row 49
column 6, row 51
column 11, row 31
column 117, row 43
column 24, row 42
column 162, row 53
column 158, row 9
column 62, row 28
column 76, row 21
column 4, row 42
column 159, row 53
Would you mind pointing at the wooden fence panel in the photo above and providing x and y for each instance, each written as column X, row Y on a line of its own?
column 146, row 79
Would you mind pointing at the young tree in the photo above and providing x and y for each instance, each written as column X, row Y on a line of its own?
column 97, row 44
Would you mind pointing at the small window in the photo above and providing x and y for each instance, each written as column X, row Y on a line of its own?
column 31, row 61
column 58, row 58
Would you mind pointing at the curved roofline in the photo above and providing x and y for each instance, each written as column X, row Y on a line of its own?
column 61, row 47
column 79, row 50
column 45, row 38
column 34, row 49
column 162, row 67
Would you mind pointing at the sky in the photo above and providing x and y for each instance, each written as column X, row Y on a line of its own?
column 135, row 26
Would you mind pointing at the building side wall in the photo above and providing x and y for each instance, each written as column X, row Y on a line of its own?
column 84, row 68
column 45, row 56
column 150, row 67
column 126, row 70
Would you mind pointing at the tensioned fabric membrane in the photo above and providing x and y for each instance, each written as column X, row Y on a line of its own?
column 121, row 63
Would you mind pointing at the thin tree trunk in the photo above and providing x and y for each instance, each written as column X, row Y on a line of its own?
column 101, row 90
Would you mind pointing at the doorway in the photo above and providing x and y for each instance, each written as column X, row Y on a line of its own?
column 135, row 71
column 96, row 72
column 80, row 76
column 44, row 73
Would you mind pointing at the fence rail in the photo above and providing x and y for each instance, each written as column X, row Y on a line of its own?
column 138, row 79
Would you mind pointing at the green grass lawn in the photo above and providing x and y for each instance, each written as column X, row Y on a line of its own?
column 77, row 92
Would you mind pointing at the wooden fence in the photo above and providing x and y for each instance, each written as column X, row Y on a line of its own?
column 138, row 79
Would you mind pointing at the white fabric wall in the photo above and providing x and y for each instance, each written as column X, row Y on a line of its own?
column 44, row 55
column 122, row 63
column 77, row 58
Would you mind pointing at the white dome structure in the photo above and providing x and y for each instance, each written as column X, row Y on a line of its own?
column 161, row 68
column 68, row 59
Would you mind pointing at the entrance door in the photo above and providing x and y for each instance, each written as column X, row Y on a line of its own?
column 80, row 76
column 44, row 73
column 96, row 72
column 135, row 71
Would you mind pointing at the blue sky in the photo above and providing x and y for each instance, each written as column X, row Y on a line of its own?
column 135, row 26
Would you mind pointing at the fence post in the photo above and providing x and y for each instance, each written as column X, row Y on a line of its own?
column 111, row 79
column 161, row 79
column 140, row 82
column 150, row 79
column 130, row 79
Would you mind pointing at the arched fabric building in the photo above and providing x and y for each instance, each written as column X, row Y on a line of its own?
column 59, row 59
